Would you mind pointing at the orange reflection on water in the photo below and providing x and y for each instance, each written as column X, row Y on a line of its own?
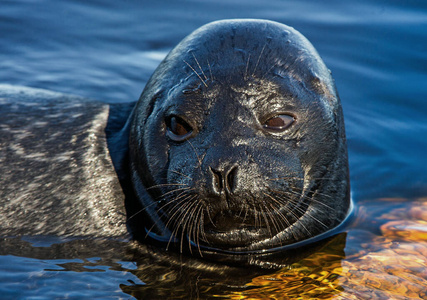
column 392, row 265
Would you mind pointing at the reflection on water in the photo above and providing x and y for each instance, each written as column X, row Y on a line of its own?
column 375, row 267
column 382, row 256
column 107, row 50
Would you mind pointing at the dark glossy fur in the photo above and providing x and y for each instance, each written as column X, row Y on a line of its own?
column 230, row 187
column 233, row 186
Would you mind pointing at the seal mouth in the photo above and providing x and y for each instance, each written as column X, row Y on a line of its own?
column 231, row 229
column 235, row 225
column 225, row 221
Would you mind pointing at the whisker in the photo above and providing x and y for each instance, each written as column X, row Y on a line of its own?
column 180, row 174
column 176, row 202
column 324, row 195
column 241, row 210
column 307, row 213
column 283, row 217
column 141, row 210
column 280, row 218
column 154, row 203
column 257, row 218
column 321, row 203
column 262, row 213
column 197, row 62
column 191, row 221
column 277, row 210
column 198, row 226
column 247, row 66
column 163, row 198
column 176, row 190
column 296, row 217
column 198, row 158
column 190, row 224
column 307, row 197
column 268, row 70
column 289, row 211
column 282, row 205
column 210, row 218
column 284, row 178
column 210, row 71
column 184, row 221
column 259, row 58
column 302, row 178
column 164, row 185
column 181, row 196
column 246, row 213
column 201, row 79
column 177, row 222
column 201, row 222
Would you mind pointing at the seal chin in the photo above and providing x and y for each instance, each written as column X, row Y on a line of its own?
column 243, row 230
column 230, row 230
column 237, row 239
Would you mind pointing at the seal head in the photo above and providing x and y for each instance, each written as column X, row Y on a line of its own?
column 237, row 142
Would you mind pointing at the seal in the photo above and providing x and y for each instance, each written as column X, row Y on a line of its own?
column 57, row 175
column 237, row 143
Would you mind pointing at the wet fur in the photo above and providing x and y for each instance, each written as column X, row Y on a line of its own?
column 296, row 190
column 291, row 204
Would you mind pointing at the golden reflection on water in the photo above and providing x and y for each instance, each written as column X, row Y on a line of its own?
column 390, row 264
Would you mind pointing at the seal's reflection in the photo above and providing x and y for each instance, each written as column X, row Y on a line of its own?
column 147, row 272
column 171, row 275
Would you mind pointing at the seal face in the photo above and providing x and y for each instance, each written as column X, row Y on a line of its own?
column 237, row 142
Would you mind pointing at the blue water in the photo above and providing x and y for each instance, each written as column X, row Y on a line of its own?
column 107, row 50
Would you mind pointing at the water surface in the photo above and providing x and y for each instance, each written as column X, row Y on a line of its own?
column 107, row 50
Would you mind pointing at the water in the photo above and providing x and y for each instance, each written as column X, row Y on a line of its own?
column 107, row 50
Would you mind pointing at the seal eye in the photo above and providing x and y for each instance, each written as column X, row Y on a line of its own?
column 178, row 129
column 279, row 122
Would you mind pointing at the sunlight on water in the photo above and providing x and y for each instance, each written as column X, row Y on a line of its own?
column 392, row 266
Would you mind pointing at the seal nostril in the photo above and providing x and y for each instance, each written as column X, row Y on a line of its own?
column 231, row 179
column 224, row 180
column 217, row 179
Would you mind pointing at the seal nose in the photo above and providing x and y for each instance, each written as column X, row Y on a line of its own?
column 224, row 180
